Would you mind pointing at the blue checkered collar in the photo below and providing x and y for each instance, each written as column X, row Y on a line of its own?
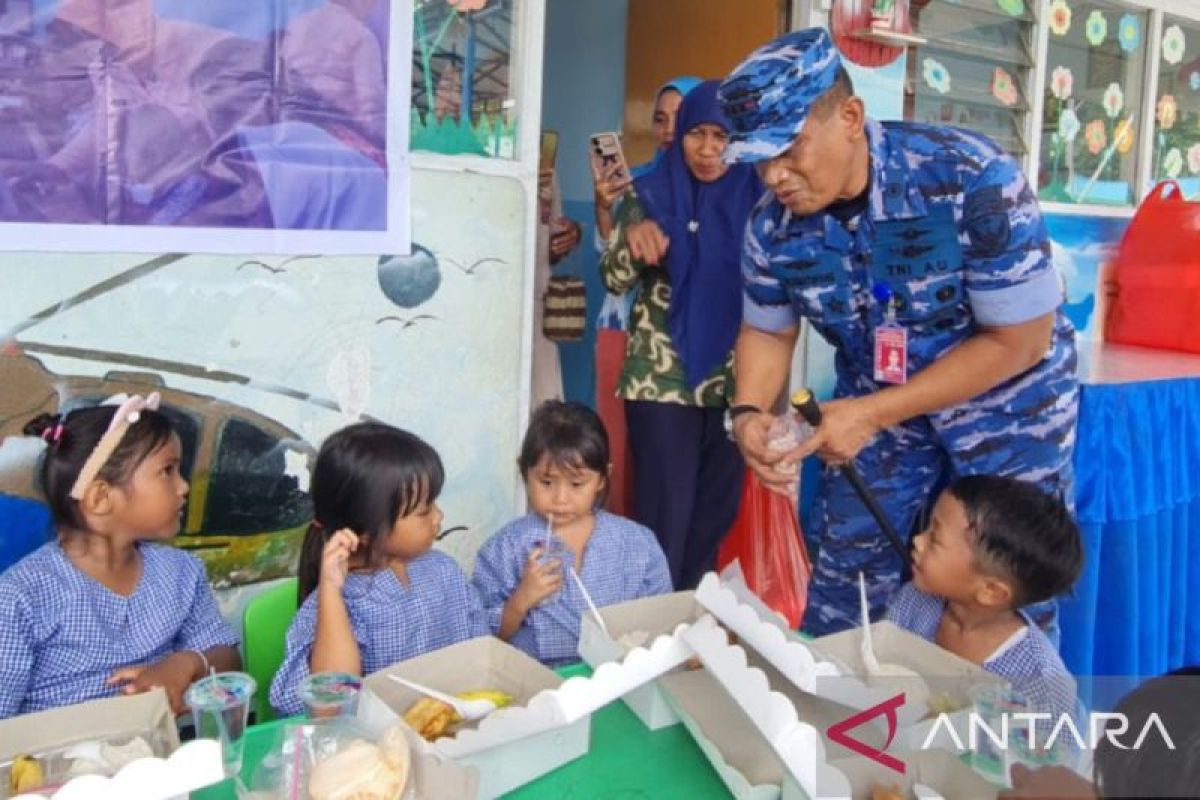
column 894, row 195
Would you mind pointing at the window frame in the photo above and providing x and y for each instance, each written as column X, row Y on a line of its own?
column 1144, row 127
column 809, row 13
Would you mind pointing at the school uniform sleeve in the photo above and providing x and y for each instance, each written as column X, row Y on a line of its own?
column 204, row 627
column 1009, row 271
column 656, row 575
column 285, row 696
column 1034, row 668
column 497, row 575
column 463, row 617
column 285, row 688
column 498, row 570
column 477, row 619
column 765, row 303
column 16, row 649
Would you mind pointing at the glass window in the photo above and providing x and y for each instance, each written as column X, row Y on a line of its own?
column 974, row 69
column 1176, row 150
column 248, row 492
column 1094, row 87
column 463, row 92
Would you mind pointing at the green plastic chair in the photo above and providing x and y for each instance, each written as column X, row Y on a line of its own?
column 264, row 631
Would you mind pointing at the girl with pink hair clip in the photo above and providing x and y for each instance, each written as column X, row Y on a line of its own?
column 106, row 608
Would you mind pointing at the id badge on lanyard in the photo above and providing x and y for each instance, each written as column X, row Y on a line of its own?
column 891, row 342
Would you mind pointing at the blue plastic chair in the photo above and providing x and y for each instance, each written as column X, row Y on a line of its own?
column 25, row 525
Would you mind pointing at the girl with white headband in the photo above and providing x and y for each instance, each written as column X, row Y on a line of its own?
column 106, row 608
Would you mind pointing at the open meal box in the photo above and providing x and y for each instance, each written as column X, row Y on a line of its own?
column 791, row 726
column 631, row 624
column 548, row 721
column 832, row 667
column 117, row 747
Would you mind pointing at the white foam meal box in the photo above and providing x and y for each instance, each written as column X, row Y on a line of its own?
column 629, row 624
column 548, row 722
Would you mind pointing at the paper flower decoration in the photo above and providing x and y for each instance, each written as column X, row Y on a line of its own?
column 936, row 75
column 1061, row 82
column 1166, row 112
column 1193, row 158
column 1129, row 33
column 1173, row 45
column 1096, row 28
column 1114, row 100
column 1068, row 125
column 1095, row 136
column 1013, row 8
column 1060, row 17
column 1124, row 136
column 1173, row 164
column 1003, row 87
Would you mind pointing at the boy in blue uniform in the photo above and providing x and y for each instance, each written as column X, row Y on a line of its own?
column 919, row 253
column 993, row 545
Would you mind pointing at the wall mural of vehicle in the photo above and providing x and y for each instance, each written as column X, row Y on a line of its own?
column 248, row 507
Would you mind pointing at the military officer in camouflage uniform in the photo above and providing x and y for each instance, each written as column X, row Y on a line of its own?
column 919, row 253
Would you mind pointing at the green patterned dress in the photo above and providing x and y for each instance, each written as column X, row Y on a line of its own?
column 653, row 371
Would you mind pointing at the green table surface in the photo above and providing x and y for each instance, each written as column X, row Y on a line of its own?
column 625, row 761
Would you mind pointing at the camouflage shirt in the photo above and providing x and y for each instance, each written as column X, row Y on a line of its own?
column 652, row 369
column 953, row 231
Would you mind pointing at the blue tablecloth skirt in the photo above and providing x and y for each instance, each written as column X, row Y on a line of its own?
column 1136, row 609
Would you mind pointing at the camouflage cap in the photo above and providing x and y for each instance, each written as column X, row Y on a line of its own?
column 767, row 97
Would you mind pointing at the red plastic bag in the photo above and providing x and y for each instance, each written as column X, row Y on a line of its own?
column 766, row 539
column 1157, row 275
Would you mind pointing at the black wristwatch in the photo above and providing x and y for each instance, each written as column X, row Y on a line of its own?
column 733, row 412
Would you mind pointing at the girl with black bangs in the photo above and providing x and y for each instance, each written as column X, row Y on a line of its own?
column 372, row 590
column 521, row 572
column 106, row 608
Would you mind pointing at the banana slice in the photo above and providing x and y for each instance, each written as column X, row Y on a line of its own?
column 25, row 775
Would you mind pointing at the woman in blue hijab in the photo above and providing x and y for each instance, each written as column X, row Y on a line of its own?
column 613, row 319
column 683, row 257
column 666, row 106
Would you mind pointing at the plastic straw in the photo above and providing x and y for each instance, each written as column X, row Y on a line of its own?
column 587, row 598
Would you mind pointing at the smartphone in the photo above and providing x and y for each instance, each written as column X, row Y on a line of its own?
column 549, row 151
column 608, row 159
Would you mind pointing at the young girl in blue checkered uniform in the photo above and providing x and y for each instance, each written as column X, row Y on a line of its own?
column 521, row 571
column 372, row 589
column 106, row 608
column 993, row 546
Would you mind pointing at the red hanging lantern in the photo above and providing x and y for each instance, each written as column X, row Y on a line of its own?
column 851, row 18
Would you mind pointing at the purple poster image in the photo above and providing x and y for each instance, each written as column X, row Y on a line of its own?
column 222, row 126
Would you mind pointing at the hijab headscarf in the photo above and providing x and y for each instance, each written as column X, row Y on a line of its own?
column 705, row 223
column 683, row 84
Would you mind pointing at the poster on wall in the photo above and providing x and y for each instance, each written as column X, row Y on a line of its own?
column 216, row 127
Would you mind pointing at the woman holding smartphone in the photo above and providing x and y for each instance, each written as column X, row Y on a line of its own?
column 613, row 321
column 683, row 258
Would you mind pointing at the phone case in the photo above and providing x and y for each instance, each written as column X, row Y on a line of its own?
column 607, row 157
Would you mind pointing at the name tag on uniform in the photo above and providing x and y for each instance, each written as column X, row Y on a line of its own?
column 891, row 354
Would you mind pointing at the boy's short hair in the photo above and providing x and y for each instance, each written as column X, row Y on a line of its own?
column 1021, row 533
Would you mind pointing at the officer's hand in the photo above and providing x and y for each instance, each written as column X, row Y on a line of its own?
column 647, row 243
column 847, row 426
column 750, row 433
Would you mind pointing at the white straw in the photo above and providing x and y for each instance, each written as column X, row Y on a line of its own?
column 587, row 598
